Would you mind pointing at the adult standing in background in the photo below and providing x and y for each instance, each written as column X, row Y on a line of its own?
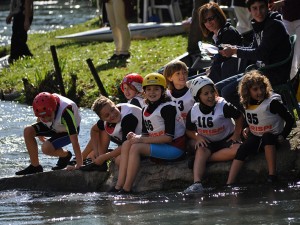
column 195, row 34
column 291, row 21
column 118, row 13
column 243, row 16
column 21, row 13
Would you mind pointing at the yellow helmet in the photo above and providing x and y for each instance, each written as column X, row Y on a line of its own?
column 154, row 79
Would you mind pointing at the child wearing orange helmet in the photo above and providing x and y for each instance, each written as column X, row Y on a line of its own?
column 131, row 86
column 57, row 118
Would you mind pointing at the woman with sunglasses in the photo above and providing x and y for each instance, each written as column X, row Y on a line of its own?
column 213, row 23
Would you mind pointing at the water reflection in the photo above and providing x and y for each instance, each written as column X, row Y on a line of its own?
column 252, row 204
column 49, row 15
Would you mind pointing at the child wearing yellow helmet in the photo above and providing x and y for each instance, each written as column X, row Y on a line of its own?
column 162, row 136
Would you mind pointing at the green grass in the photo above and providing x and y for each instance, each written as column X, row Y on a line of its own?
column 147, row 56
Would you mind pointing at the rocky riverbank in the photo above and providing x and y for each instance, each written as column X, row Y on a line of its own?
column 163, row 177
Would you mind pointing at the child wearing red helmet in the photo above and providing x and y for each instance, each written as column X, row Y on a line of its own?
column 57, row 118
column 131, row 86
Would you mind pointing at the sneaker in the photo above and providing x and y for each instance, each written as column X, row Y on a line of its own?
column 194, row 188
column 73, row 162
column 113, row 57
column 123, row 192
column 30, row 170
column 272, row 179
column 94, row 167
column 63, row 162
column 114, row 190
column 123, row 56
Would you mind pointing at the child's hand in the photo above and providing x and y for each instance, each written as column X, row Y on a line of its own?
column 201, row 142
column 99, row 160
column 246, row 132
column 42, row 138
column 280, row 139
column 235, row 138
column 136, row 139
column 130, row 135
column 70, row 168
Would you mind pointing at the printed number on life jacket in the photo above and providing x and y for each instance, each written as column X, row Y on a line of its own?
column 252, row 118
column 148, row 125
column 205, row 122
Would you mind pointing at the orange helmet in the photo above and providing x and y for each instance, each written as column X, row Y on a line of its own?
column 44, row 104
column 133, row 79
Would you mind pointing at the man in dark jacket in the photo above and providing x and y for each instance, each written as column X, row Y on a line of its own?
column 271, row 44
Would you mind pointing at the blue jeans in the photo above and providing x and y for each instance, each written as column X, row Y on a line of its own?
column 227, row 88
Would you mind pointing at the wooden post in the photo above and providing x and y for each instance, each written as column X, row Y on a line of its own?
column 58, row 71
column 96, row 77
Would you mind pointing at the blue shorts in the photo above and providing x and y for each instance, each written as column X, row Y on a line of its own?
column 58, row 140
column 165, row 151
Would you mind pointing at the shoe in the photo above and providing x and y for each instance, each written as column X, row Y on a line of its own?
column 120, row 57
column 123, row 56
column 72, row 162
column 194, row 188
column 85, row 161
column 123, row 192
column 63, row 162
column 30, row 170
column 114, row 190
column 94, row 167
column 272, row 179
column 113, row 57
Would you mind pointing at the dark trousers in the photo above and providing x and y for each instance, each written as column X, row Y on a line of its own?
column 19, row 46
column 228, row 89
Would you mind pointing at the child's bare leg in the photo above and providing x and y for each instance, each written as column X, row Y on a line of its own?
column 136, row 151
column 107, row 156
column 123, row 164
column 31, row 145
column 234, row 170
column 48, row 149
column 201, row 156
column 270, row 154
column 88, row 151
column 225, row 154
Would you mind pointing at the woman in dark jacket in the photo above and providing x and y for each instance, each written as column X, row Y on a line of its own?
column 213, row 22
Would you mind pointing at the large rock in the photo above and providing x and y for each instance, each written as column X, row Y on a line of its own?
column 167, row 176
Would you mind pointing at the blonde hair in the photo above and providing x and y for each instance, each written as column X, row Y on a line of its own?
column 170, row 69
column 250, row 79
column 99, row 104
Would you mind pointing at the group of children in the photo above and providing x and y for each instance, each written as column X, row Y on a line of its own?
column 163, row 116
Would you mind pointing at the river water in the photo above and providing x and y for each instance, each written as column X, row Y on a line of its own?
column 49, row 15
column 247, row 205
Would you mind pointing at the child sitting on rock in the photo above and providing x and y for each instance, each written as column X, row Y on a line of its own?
column 269, row 123
column 176, row 74
column 162, row 136
column 116, row 121
column 209, row 123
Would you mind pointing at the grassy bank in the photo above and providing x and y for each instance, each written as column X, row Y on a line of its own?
column 147, row 56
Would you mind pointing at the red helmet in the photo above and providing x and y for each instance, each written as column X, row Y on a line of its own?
column 44, row 104
column 134, row 79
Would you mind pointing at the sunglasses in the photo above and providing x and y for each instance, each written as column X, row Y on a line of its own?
column 209, row 19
